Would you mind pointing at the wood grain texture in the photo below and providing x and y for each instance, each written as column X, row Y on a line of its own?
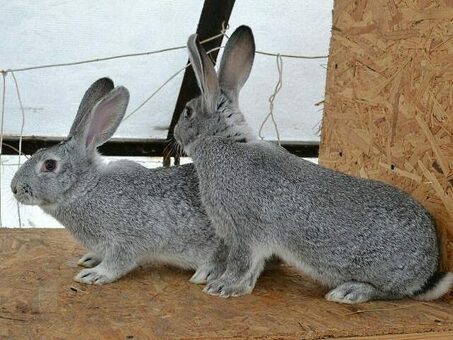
column 389, row 100
column 38, row 299
column 419, row 336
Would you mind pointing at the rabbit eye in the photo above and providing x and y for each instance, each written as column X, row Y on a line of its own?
column 188, row 112
column 49, row 165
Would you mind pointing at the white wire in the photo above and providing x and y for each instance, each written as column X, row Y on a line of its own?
column 1, row 141
column 4, row 73
column 277, row 89
column 19, row 154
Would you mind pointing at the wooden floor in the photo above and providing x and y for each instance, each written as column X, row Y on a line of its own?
column 38, row 299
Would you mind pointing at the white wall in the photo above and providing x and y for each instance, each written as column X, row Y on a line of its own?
column 46, row 32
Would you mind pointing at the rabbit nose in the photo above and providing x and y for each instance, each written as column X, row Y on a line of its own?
column 14, row 190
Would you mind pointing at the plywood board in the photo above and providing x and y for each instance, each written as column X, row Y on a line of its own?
column 389, row 100
column 39, row 300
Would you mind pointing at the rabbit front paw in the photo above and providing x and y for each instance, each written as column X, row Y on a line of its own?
column 98, row 276
column 207, row 272
column 226, row 288
column 89, row 260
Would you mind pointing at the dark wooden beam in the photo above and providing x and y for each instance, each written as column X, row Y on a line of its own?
column 303, row 150
column 213, row 15
column 151, row 148
column 128, row 148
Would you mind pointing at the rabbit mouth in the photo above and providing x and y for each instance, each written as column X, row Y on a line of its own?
column 24, row 195
column 177, row 140
column 176, row 134
column 27, row 199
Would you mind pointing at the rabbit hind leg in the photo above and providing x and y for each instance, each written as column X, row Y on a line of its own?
column 355, row 292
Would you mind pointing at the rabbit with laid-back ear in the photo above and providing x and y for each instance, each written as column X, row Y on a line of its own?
column 122, row 212
column 362, row 238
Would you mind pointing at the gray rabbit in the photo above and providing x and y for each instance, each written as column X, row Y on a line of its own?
column 122, row 212
column 361, row 238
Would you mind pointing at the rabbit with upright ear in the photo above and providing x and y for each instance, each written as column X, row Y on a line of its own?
column 364, row 239
column 122, row 212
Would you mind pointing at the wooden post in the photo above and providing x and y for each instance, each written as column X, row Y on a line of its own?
column 213, row 15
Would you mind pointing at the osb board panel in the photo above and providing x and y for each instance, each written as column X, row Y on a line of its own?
column 38, row 299
column 423, row 336
column 389, row 100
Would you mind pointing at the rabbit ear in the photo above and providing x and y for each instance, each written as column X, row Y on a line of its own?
column 237, row 61
column 106, row 116
column 204, row 72
column 104, row 119
column 95, row 92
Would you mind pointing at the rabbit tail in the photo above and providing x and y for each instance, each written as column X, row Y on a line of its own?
column 437, row 285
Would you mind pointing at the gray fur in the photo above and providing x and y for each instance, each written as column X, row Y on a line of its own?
column 363, row 238
column 123, row 213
